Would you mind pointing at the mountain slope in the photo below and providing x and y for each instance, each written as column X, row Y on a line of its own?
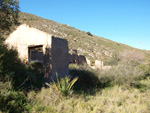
column 93, row 47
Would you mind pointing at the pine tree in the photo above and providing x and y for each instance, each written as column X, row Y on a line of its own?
column 9, row 10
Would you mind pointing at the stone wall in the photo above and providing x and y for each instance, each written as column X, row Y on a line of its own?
column 98, row 63
column 53, row 54
column 25, row 36
column 77, row 59
column 60, row 57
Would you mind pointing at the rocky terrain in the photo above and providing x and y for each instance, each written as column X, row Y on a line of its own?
column 87, row 44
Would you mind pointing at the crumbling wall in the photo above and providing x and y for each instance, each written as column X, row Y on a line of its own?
column 73, row 58
column 76, row 59
column 60, row 57
column 88, row 61
column 82, row 59
column 25, row 36
column 47, row 65
column 98, row 63
column 54, row 55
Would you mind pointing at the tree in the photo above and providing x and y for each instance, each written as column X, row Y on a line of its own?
column 9, row 10
column 90, row 34
column 8, row 16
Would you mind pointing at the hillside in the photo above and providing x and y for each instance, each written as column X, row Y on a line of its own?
column 93, row 47
column 123, row 88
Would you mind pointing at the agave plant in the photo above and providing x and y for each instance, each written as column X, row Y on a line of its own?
column 64, row 84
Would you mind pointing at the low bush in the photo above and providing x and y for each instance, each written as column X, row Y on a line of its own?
column 123, row 74
column 88, row 81
column 36, row 75
column 22, row 76
column 87, row 78
column 111, row 62
column 110, row 100
column 90, row 34
column 45, row 100
column 145, row 68
column 12, row 101
column 115, row 98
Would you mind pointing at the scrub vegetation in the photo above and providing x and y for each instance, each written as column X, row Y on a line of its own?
column 93, row 47
column 124, row 88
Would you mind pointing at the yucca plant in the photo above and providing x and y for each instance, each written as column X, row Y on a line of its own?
column 64, row 84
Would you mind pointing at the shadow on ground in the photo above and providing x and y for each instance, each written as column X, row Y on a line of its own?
column 88, row 82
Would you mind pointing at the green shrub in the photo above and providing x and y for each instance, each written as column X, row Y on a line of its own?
column 88, row 79
column 12, row 101
column 35, row 74
column 112, row 62
column 122, row 74
column 145, row 68
column 90, row 34
column 11, row 68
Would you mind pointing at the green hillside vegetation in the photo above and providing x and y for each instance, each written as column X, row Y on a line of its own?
column 93, row 47
column 124, row 88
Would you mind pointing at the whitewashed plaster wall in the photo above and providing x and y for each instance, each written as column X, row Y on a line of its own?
column 25, row 36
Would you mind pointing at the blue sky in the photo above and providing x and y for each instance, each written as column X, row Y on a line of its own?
column 123, row 21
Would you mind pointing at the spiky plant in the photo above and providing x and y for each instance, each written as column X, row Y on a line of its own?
column 64, row 85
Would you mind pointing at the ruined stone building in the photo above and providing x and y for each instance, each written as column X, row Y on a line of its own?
column 77, row 59
column 74, row 58
column 34, row 45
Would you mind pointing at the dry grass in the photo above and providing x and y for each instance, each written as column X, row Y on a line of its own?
column 111, row 100
column 116, row 98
